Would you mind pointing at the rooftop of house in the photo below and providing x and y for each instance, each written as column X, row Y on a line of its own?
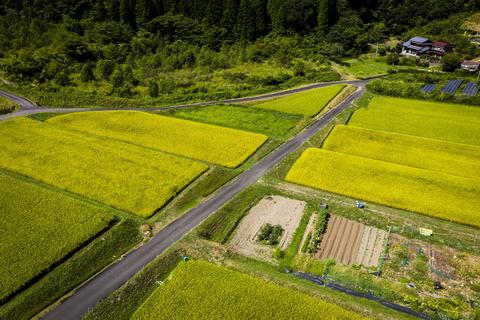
column 471, row 63
column 420, row 40
column 413, row 47
column 441, row 44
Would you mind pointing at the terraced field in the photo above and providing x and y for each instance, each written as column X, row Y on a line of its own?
column 223, row 146
column 308, row 103
column 202, row 290
column 442, row 156
column 125, row 176
column 39, row 227
column 436, row 194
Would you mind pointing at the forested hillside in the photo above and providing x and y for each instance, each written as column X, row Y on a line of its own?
column 130, row 48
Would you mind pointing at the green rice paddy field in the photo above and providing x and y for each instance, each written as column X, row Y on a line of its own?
column 308, row 103
column 202, row 290
column 268, row 122
column 39, row 227
column 124, row 176
column 223, row 146
column 383, row 156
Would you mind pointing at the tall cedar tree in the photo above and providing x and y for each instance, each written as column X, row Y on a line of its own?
column 322, row 20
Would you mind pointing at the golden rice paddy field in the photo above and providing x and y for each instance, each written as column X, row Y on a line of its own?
column 307, row 103
column 413, row 155
column 432, row 193
column 124, row 176
column 437, row 155
column 39, row 227
column 202, row 290
column 460, row 124
column 223, row 146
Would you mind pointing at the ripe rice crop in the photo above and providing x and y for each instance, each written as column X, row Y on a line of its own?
column 223, row 146
column 307, row 103
column 451, row 111
column 434, row 125
column 39, row 227
column 202, row 290
column 125, row 176
column 432, row 193
column 437, row 155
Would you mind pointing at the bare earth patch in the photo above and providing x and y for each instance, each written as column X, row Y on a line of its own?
column 274, row 210
column 350, row 242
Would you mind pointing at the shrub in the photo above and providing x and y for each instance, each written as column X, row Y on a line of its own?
column 270, row 234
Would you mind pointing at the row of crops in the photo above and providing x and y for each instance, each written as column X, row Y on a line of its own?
column 413, row 155
column 202, row 290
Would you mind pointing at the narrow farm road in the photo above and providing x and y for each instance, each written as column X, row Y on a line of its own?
column 104, row 283
column 27, row 108
column 23, row 103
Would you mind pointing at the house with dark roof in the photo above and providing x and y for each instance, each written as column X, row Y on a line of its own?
column 416, row 46
column 440, row 48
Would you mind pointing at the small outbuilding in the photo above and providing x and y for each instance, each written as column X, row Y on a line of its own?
column 470, row 65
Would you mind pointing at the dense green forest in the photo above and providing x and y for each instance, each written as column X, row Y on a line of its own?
column 143, row 48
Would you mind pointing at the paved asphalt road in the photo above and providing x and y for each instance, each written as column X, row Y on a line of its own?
column 23, row 103
column 114, row 276
column 27, row 108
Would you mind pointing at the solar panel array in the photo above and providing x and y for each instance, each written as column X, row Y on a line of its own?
column 429, row 88
column 470, row 89
column 451, row 86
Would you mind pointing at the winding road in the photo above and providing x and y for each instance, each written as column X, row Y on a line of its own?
column 115, row 275
column 28, row 108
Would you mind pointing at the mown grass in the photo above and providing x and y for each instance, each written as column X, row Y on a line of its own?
column 365, row 68
column 124, row 176
column 40, row 227
column 371, row 67
column 455, row 123
column 271, row 123
column 307, row 103
column 432, row 193
column 223, row 146
column 437, row 155
column 202, row 290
